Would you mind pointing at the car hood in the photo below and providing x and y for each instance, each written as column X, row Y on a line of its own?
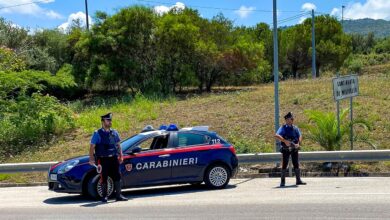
column 82, row 160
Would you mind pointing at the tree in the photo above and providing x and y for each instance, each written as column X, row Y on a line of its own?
column 295, row 43
column 13, row 36
column 176, row 37
column 363, row 43
column 120, row 50
column 332, row 45
column 49, row 50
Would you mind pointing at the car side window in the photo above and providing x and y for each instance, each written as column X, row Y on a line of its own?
column 145, row 145
column 190, row 139
column 154, row 143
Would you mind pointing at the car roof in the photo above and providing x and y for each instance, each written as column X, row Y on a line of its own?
column 162, row 132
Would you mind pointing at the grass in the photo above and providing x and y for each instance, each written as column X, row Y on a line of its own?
column 243, row 116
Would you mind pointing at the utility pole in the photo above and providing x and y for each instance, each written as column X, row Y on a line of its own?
column 276, row 71
column 338, row 74
column 342, row 16
column 313, row 41
column 86, row 14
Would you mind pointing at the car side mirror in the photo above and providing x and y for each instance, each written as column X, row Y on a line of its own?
column 137, row 149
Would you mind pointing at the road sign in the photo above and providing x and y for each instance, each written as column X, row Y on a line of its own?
column 345, row 87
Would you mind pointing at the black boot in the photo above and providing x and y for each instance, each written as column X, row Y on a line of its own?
column 118, row 190
column 283, row 178
column 104, row 193
column 298, row 177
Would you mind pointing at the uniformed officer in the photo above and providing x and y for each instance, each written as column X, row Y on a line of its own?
column 105, row 146
column 290, row 137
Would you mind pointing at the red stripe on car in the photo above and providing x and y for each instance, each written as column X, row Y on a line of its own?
column 176, row 150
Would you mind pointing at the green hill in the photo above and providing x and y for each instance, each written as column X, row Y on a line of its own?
column 381, row 28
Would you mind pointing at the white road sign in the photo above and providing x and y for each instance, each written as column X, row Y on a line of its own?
column 345, row 87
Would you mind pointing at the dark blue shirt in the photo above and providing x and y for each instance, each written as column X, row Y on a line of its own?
column 289, row 131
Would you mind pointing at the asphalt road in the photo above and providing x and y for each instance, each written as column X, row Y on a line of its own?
column 322, row 198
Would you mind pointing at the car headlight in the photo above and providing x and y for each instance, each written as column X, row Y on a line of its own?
column 67, row 166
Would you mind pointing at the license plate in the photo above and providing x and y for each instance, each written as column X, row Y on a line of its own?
column 53, row 177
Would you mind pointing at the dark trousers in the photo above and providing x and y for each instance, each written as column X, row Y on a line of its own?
column 110, row 167
column 294, row 156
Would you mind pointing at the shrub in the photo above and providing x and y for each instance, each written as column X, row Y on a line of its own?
column 355, row 66
column 323, row 128
column 27, row 122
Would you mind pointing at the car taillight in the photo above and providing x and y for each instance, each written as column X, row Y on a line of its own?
column 231, row 148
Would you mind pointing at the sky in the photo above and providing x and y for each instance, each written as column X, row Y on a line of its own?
column 36, row 14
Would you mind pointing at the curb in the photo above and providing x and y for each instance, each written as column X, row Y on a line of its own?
column 22, row 184
column 240, row 176
column 311, row 174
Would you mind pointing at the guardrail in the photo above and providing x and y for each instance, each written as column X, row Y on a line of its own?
column 313, row 156
column 319, row 156
column 25, row 167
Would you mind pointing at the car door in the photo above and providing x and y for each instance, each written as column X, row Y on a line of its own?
column 147, row 167
column 190, row 156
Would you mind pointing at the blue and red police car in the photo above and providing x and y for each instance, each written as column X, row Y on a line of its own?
column 155, row 157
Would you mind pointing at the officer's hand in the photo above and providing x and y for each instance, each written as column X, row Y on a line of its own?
column 92, row 162
column 288, row 143
column 297, row 146
column 120, row 159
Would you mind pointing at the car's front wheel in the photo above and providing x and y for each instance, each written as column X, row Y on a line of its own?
column 95, row 189
column 217, row 176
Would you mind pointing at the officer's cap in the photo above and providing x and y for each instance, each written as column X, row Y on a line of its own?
column 107, row 116
column 289, row 115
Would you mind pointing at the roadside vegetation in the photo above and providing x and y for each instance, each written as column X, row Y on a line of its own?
column 180, row 68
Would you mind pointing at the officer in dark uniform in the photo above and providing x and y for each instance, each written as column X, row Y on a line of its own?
column 106, row 148
column 290, row 137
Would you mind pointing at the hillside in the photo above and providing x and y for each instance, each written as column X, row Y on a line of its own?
column 242, row 115
column 381, row 28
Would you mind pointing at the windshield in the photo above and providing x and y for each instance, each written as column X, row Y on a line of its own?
column 126, row 144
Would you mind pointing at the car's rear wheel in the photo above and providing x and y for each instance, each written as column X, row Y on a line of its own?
column 217, row 176
column 95, row 189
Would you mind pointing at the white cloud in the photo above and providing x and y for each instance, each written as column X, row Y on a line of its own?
column 28, row 8
column 244, row 12
column 74, row 17
column 162, row 9
column 375, row 9
column 308, row 6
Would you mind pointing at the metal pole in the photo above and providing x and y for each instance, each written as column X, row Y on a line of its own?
column 351, row 106
column 351, row 111
column 276, row 72
column 86, row 14
column 342, row 16
column 338, row 112
column 313, row 41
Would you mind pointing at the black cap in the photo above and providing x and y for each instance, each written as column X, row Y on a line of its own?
column 107, row 116
column 289, row 115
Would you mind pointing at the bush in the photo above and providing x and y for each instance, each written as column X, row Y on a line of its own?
column 10, row 61
column 28, row 118
column 28, row 122
column 323, row 128
column 29, row 81
column 355, row 66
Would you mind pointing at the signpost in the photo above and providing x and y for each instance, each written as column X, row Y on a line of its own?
column 346, row 87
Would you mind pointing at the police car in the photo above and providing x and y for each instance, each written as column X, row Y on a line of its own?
column 155, row 157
